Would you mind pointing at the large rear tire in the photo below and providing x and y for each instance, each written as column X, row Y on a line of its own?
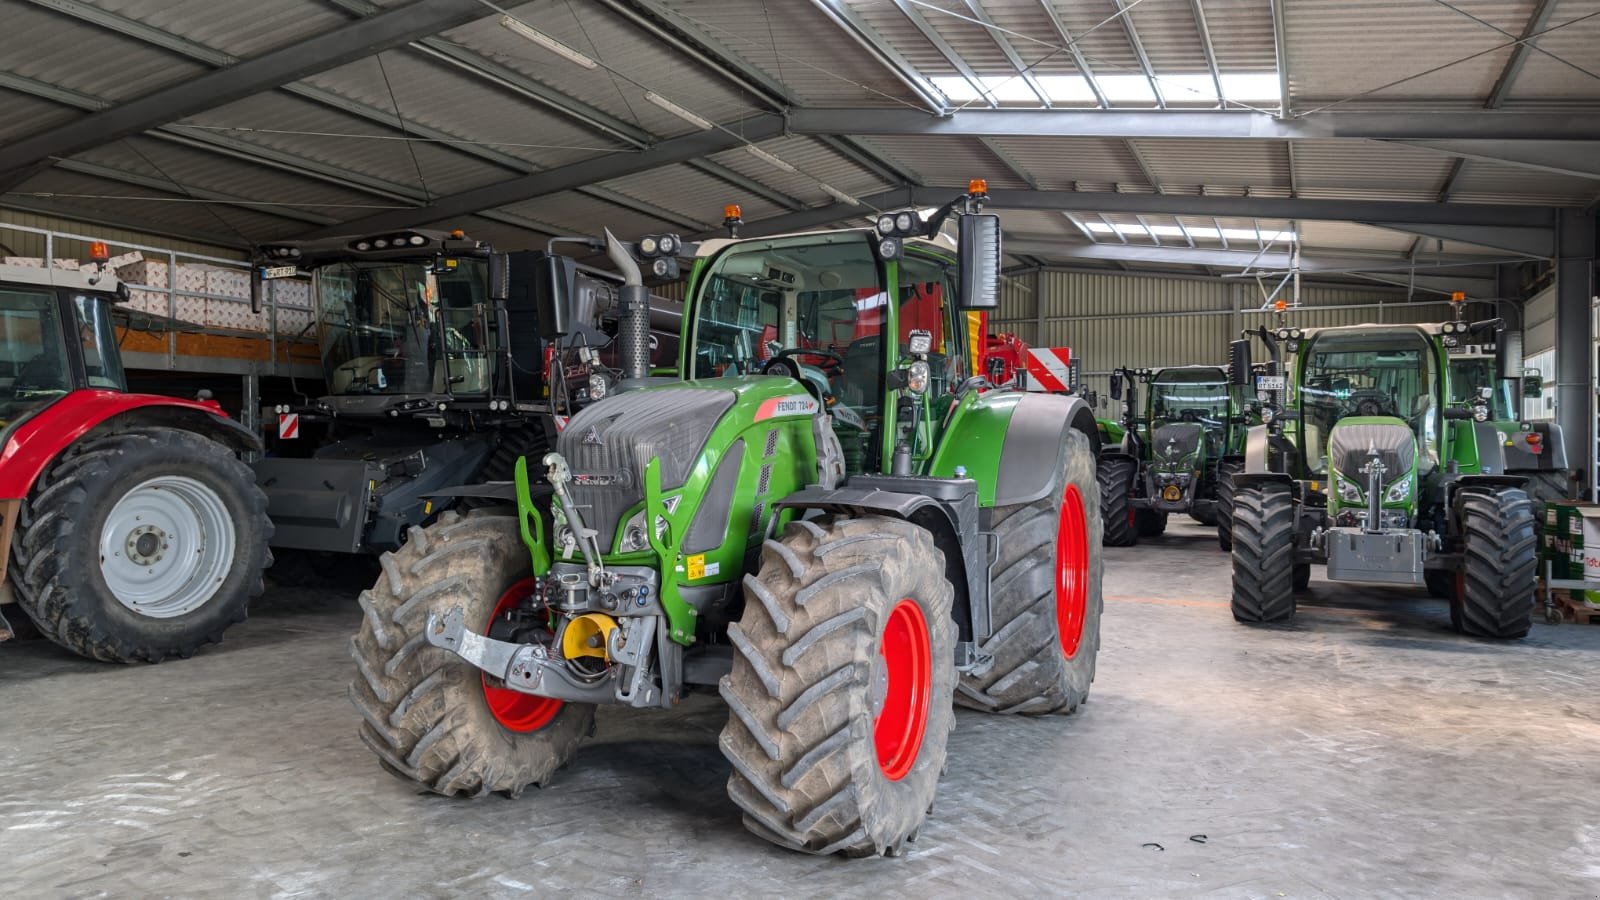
column 431, row 718
column 1150, row 523
column 1263, row 554
column 139, row 545
column 1115, row 473
column 839, row 698
column 1226, row 469
column 1045, row 602
column 1494, row 594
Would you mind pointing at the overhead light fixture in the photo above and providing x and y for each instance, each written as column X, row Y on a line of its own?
column 768, row 158
column 699, row 122
column 838, row 195
column 548, row 42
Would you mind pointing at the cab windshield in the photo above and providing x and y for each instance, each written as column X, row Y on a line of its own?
column 404, row 328
column 820, row 302
column 1199, row 396
column 1469, row 375
column 1371, row 372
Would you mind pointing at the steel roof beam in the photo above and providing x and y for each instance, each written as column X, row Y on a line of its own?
column 1280, row 50
column 161, row 184
column 1005, row 159
column 575, row 175
column 1210, row 51
column 1078, row 58
column 1538, row 242
column 1227, row 259
column 884, row 54
column 1144, row 166
column 1010, row 52
column 1126, row 18
column 949, row 53
column 1521, row 126
column 1537, row 22
column 330, row 49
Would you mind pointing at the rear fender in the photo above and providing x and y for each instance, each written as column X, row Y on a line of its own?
column 36, row 441
column 1009, row 441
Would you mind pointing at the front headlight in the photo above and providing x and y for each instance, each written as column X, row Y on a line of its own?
column 917, row 377
column 597, row 386
column 1349, row 491
column 633, row 536
column 1400, row 491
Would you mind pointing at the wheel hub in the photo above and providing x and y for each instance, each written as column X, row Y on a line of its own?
column 166, row 546
column 147, row 545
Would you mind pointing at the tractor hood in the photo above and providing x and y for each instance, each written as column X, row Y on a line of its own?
column 1352, row 446
column 1176, row 446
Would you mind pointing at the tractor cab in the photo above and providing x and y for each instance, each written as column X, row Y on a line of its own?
column 56, row 336
column 1189, row 408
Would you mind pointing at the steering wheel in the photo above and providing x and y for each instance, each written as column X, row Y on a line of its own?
column 783, row 362
column 1372, row 403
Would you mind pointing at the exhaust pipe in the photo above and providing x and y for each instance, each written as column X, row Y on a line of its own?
column 633, row 327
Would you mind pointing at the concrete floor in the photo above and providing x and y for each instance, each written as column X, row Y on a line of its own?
column 1364, row 751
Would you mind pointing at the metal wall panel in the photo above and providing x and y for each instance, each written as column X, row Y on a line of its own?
column 20, row 243
column 1539, row 323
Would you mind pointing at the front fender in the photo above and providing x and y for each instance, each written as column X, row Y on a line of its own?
column 31, row 446
column 1009, row 442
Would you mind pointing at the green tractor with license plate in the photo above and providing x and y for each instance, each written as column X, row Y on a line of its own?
column 1385, row 470
column 1167, row 459
column 832, row 520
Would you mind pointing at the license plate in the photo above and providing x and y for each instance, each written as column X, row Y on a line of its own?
column 1269, row 383
column 279, row 272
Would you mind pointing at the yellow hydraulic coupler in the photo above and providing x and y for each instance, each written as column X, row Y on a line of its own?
column 587, row 636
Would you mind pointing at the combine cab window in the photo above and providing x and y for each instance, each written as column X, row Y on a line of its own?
column 398, row 328
column 33, row 354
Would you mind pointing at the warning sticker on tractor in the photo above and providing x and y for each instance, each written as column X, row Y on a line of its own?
column 288, row 425
column 792, row 405
column 696, row 566
column 1269, row 383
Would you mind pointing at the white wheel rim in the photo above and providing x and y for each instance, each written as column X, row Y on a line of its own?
column 166, row 546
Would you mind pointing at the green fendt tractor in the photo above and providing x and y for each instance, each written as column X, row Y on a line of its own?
column 1167, row 459
column 833, row 521
column 1384, row 471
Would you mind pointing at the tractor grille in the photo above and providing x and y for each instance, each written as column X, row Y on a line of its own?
column 608, row 444
column 1350, row 448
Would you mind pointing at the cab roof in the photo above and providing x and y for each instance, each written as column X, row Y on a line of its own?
column 89, row 280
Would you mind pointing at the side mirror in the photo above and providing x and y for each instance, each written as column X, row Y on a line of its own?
column 978, row 249
column 1239, row 363
column 1116, row 385
column 1504, row 365
column 1533, row 385
column 557, row 285
column 499, row 277
column 257, row 289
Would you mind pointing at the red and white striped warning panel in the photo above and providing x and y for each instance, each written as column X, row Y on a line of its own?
column 1049, row 369
column 288, row 425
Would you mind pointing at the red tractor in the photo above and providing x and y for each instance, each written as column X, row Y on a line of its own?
column 130, row 527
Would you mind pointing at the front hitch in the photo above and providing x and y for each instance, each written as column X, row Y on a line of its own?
column 525, row 668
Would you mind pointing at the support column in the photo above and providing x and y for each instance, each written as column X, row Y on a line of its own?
column 1575, row 391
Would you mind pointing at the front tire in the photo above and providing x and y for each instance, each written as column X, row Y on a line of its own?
column 1494, row 595
column 1263, row 554
column 1224, row 508
column 1046, row 601
column 839, row 698
column 1115, row 474
column 1150, row 523
column 431, row 718
column 141, row 545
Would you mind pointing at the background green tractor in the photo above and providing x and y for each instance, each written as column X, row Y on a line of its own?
column 1386, row 472
column 833, row 522
column 1166, row 460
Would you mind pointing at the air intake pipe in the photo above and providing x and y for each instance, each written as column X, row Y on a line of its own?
column 633, row 326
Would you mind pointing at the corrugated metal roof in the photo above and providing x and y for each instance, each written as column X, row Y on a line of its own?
column 813, row 161
column 1543, row 78
column 1487, row 182
column 1103, row 43
column 578, row 214
column 21, row 115
column 945, row 160
column 62, row 51
column 1338, row 48
column 155, row 213
column 451, row 101
column 195, row 169
column 1217, row 163
column 1396, row 170
column 902, row 34
column 691, row 193
column 242, row 30
column 1170, row 37
column 796, row 44
column 1349, row 236
column 633, row 57
column 1061, row 162
column 1241, row 35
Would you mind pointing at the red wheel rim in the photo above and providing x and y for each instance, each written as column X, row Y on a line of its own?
column 514, row 710
column 1072, row 571
column 907, row 666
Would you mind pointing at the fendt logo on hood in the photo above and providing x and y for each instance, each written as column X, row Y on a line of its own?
column 593, row 437
column 792, row 405
column 619, row 478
